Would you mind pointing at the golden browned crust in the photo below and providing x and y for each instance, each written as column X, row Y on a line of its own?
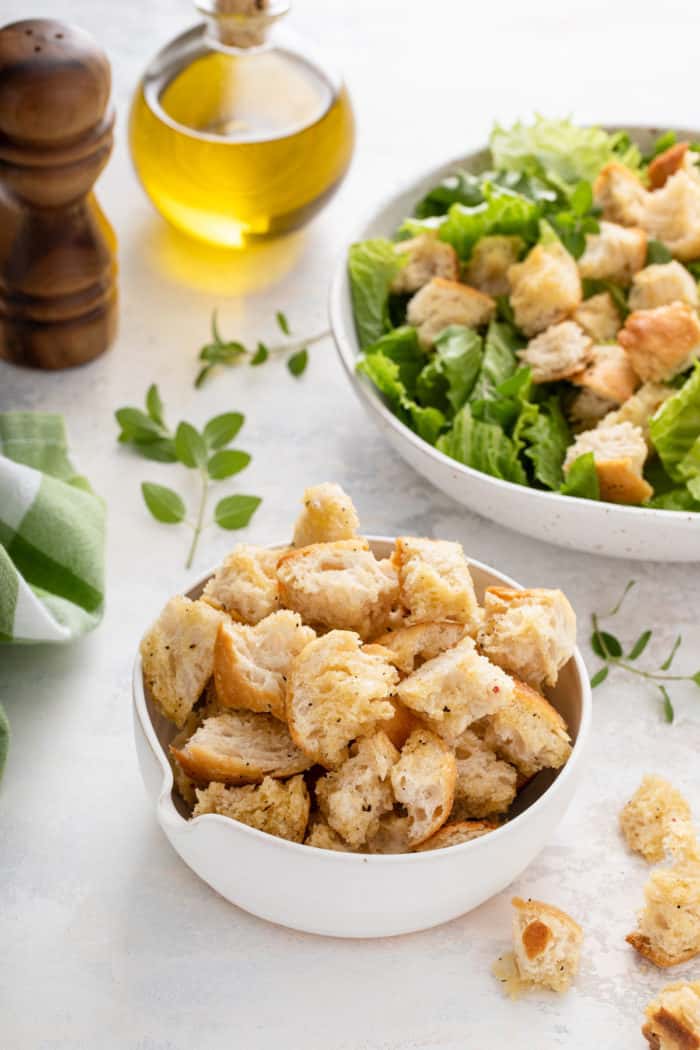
column 641, row 943
column 619, row 483
column 667, row 164
column 609, row 374
column 662, row 341
column 457, row 832
column 536, row 936
column 670, row 1027
column 545, row 910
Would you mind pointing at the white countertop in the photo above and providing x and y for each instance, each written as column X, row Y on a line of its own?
column 107, row 939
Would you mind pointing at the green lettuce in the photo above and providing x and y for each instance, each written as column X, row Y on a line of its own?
column 483, row 446
column 547, row 436
column 428, row 422
column 463, row 187
column 401, row 345
column 499, row 361
column 582, row 479
column 372, row 266
column 458, row 357
column 675, row 429
column 676, row 499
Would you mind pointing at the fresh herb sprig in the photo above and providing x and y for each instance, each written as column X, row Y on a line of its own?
column 609, row 648
column 207, row 452
column 220, row 351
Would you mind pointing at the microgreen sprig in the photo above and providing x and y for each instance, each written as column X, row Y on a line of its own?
column 609, row 648
column 220, row 351
column 207, row 452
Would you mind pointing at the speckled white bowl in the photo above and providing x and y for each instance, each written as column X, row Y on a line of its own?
column 355, row 895
column 581, row 525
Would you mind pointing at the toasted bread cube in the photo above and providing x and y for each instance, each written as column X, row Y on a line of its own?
column 608, row 374
column 546, row 288
column 239, row 747
column 662, row 284
column 619, row 452
column 598, row 317
column 455, row 689
column 457, row 832
column 245, row 584
column 547, row 944
column 666, row 164
column 424, row 257
column 424, row 781
column 490, row 261
column 640, row 408
column 355, row 796
column 435, row 583
column 322, row 836
column 649, row 817
column 402, row 722
column 668, row 927
column 440, row 303
column 587, row 410
column 528, row 732
column 661, row 342
column 329, row 514
column 486, row 785
column 531, row 633
column 673, row 1018
column 560, row 352
column 251, row 664
column 620, row 194
column 616, row 253
column 392, row 836
column 335, row 693
column 672, row 215
column 178, row 655
column 338, row 584
column 411, row 646
column 278, row 808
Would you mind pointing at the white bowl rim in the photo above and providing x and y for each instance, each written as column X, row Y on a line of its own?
column 168, row 815
column 349, row 353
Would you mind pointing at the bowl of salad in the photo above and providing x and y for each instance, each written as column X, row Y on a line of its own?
column 523, row 324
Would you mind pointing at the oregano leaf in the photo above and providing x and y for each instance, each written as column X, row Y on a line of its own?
column 599, row 676
column 260, row 356
column 297, row 362
column 220, row 430
column 234, row 512
column 639, row 646
column 226, row 463
column 164, row 504
column 669, row 713
column 190, row 447
column 283, row 323
column 674, row 649
column 154, row 404
column 605, row 645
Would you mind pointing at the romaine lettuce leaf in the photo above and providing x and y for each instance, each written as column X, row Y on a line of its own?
column 401, row 345
column 499, row 361
column 582, row 479
column 458, row 355
column 385, row 374
column 548, row 438
column 463, row 187
column 675, row 428
column 483, row 446
column 372, row 266
column 675, row 499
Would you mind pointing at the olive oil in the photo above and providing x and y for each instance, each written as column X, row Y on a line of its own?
column 236, row 144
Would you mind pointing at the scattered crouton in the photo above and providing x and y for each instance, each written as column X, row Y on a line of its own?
column 661, row 342
column 245, row 584
column 587, row 409
column 355, row 796
column 662, row 284
column 411, row 646
column 322, row 836
column 424, row 782
column 608, row 374
column 673, row 1018
column 440, row 303
column 338, row 584
column 279, row 808
column 490, row 261
column 251, row 664
column 455, row 689
column 531, row 633
column 335, row 693
column 668, row 927
column 329, row 514
column 547, row 944
column 560, row 352
column 424, row 257
column 640, row 408
column 457, row 832
column 402, row 723
column 620, row 194
column 529, row 733
column 486, row 785
column 434, row 582
column 672, row 215
column 619, row 451
column 546, row 288
column 598, row 317
column 178, row 655
column 666, row 164
column 649, row 816
column 239, row 747
column 615, row 253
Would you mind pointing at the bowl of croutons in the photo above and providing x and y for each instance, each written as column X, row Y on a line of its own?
column 359, row 736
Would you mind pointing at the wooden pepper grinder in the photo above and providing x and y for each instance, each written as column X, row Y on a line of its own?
column 58, row 299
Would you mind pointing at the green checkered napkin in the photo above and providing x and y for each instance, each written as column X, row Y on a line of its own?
column 52, row 530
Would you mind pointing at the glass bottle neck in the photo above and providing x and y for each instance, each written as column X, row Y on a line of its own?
column 240, row 25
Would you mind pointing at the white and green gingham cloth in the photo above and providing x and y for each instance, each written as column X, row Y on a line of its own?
column 52, row 531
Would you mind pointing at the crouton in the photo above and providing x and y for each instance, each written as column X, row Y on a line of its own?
column 402, row 723
column 598, row 317
column 245, row 584
column 620, row 194
column 649, row 816
column 424, row 257
column 673, row 1018
column 547, row 944
column 329, row 514
column 661, row 342
column 586, row 410
column 672, row 215
column 668, row 927
column 561, row 351
column 177, row 655
column 616, row 253
column 411, row 646
column 490, row 261
column 392, row 836
column 640, row 408
column 184, row 784
column 239, row 747
column 608, row 374
column 322, row 836
column 338, row 584
column 662, row 284
column 619, row 452
column 457, row 832
column 531, row 633
column 440, row 303
column 486, row 785
column 280, row 809
column 434, row 582
column 666, row 164
column 424, row 780
column 251, row 664
column 335, row 693
column 546, row 288
column 355, row 796
column 528, row 733
column 455, row 689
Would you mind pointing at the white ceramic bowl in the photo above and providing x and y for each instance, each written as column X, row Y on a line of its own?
column 354, row 895
column 581, row 525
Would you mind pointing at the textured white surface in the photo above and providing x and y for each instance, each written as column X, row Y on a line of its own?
column 107, row 939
